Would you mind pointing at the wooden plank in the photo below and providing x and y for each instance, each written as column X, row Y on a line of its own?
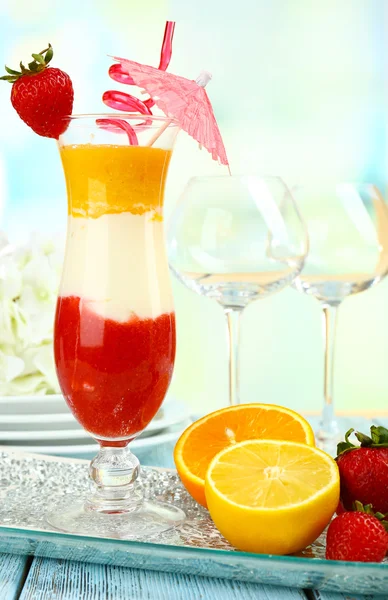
column 51, row 579
column 320, row 595
column 13, row 571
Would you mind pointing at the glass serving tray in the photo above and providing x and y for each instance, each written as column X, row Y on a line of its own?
column 31, row 484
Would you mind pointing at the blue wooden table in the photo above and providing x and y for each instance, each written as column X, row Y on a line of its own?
column 26, row 578
column 48, row 579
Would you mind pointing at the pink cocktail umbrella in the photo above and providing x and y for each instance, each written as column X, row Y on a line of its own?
column 183, row 100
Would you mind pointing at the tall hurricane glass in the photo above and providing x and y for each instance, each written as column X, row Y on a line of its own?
column 114, row 334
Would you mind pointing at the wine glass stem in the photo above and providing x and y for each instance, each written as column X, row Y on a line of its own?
column 329, row 429
column 233, row 317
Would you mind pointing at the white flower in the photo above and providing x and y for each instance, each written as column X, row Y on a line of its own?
column 10, row 278
column 10, row 367
column 29, row 281
column 44, row 362
column 26, row 386
column 7, row 335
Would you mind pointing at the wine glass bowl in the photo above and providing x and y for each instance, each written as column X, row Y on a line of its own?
column 348, row 233
column 236, row 239
column 230, row 238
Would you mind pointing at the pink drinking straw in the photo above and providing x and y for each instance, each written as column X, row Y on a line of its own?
column 117, row 74
column 127, row 102
column 166, row 52
column 119, row 126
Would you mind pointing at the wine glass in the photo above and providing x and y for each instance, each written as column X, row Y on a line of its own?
column 348, row 233
column 236, row 239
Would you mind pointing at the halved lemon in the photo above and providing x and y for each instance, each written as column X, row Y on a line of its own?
column 223, row 428
column 272, row 497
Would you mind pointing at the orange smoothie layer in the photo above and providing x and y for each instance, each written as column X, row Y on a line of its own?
column 114, row 179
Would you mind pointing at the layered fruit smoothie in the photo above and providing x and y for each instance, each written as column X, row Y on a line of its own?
column 115, row 325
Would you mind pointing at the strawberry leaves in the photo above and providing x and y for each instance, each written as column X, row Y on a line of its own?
column 346, row 445
column 378, row 439
column 39, row 58
column 368, row 509
column 11, row 71
column 40, row 62
column 379, row 436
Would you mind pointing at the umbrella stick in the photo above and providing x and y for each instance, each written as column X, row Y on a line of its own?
column 159, row 132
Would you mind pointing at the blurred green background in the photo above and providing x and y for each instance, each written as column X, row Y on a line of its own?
column 299, row 89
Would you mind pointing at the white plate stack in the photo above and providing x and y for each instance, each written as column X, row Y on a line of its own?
column 44, row 424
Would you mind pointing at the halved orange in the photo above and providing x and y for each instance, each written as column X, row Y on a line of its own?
column 272, row 497
column 205, row 438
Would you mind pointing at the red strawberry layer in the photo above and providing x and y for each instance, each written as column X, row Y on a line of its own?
column 114, row 375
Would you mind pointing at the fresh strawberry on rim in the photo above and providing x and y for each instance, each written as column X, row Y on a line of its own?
column 42, row 95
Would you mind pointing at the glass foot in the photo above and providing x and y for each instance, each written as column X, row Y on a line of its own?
column 327, row 439
column 115, row 506
column 328, row 434
column 146, row 520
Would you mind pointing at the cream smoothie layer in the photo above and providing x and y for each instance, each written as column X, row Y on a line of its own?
column 118, row 263
column 116, row 258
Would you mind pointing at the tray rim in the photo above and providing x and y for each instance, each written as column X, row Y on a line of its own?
column 272, row 559
column 188, row 550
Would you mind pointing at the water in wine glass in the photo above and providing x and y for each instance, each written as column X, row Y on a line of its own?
column 332, row 289
column 236, row 239
column 348, row 233
column 237, row 289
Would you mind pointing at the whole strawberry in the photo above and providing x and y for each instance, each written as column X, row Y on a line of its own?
column 356, row 536
column 41, row 95
column 364, row 470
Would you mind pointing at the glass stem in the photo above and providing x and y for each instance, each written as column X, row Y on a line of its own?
column 329, row 427
column 112, row 474
column 233, row 317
